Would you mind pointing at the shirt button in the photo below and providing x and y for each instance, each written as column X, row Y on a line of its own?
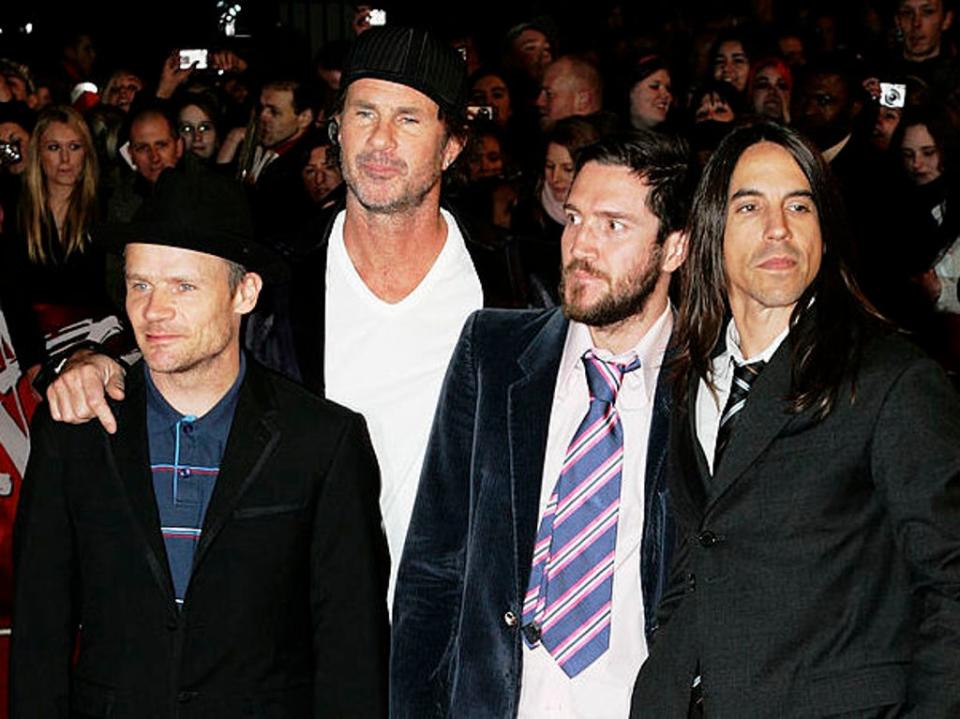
column 510, row 619
column 708, row 539
column 187, row 427
column 184, row 472
column 184, row 697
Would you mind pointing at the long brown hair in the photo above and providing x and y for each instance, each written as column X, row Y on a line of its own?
column 35, row 209
column 826, row 334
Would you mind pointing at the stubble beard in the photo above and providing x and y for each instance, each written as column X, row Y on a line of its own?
column 626, row 298
column 410, row 197
column 182, row 366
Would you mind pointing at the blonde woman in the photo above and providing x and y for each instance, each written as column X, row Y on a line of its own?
column 52, row 260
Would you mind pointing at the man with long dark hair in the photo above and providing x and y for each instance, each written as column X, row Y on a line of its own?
column 815, row 469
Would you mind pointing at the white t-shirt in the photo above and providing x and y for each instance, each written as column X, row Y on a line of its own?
column 387, row 361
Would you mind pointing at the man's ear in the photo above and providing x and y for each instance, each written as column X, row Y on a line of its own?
column 180, row 148
column 582, row 100
column 245, row 298
column 305, row 119
column 452, row 150
column 674, row 253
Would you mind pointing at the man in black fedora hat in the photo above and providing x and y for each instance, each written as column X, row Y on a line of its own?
column 221, row 554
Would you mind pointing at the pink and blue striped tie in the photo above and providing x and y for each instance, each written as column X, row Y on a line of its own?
column 567, row 605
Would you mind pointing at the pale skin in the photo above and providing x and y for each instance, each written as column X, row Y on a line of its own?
column 610, row 230
column 772, row 245
column 391, row 138
column 187, row 324
column 187, row 321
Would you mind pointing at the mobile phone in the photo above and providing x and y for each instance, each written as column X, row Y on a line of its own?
column 377, row 17
column 893, row 94
column 483, row 113
column 188, row 57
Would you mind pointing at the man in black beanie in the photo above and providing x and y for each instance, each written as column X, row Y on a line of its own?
column 377, row 301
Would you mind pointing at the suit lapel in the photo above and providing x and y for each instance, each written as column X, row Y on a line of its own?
column 691, row 465
column 761, row 420
column 130, row 461
column 308, row 303
column 530, row 399
column 253, row 437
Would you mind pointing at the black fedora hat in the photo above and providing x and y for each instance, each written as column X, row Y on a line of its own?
column 199, row 211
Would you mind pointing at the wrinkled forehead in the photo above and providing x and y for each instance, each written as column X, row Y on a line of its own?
column 385, row 93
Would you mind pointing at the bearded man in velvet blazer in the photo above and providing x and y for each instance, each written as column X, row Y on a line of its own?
column 464, row 643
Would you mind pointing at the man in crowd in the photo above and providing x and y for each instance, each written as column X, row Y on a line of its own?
column 921, row 24
column 375, row 308
column 221, row 555
column 571, row 86
column 578, row 395
column 287, row 112
column 814, row 470
column 154, row 146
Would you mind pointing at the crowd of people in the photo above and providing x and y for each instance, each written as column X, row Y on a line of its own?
column 361, row 210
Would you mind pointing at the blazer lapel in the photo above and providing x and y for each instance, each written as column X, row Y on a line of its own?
column 253, row 437
column 129, row 457
column 529, row 400
column 689, row 462
column 308, row 303
column 761, row 420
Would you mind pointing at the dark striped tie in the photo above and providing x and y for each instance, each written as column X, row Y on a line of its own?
column 568, row 602
column 744, row 375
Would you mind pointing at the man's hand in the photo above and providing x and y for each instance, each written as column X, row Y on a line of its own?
column 172, row 75
column 227, row 61
column 79, row 393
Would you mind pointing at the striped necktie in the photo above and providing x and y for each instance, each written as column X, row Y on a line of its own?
column 568, row 603
column 744, row 375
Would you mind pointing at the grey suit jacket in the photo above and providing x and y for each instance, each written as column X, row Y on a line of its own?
column 820, row 575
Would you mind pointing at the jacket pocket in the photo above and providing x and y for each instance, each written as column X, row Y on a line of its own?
column 869, row 687
column 265, row 511
column 89, row 701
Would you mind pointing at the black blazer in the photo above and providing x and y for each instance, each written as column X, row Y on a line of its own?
column 466, row 563
column 820, row 575
column 284, row 616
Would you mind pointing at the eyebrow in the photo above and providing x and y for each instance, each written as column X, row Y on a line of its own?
column 750, row 192
column 605, row 214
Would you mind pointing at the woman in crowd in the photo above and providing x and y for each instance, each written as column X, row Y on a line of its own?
column 52, row 260
column 771, row 86
column 924, row 142
column 198, row 119
column 539, row 219
column 488, row 88
column 650, row 93
column 731, row 60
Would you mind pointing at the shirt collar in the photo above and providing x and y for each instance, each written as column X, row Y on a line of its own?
column 732, row 349
column 650, row 349
column 832, row 152
column 165, row 415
